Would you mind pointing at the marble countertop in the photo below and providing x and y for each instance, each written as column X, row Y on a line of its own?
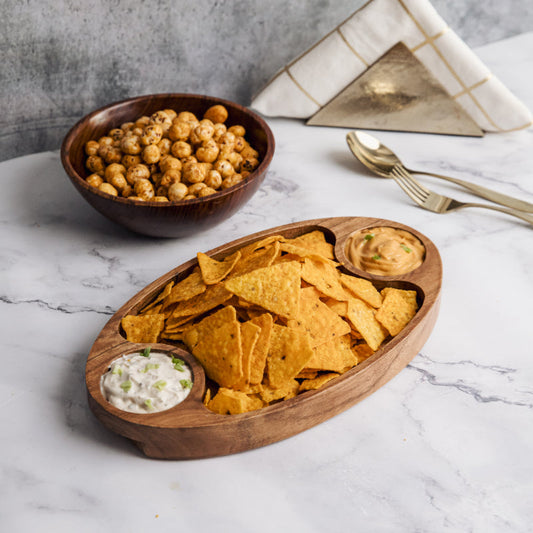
column 444, row 446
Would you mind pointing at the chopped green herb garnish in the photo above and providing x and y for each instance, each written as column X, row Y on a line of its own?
column 150, row 366
column 146, row 352
column 369, row 236
column 117, row 370
column 179, row 364
column 126, row 386
column 376, row 257
column 148, row 404
column 160, row 385
column 406, row 248
column 186, row 383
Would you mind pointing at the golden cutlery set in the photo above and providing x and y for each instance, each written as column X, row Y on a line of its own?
column 383, row 162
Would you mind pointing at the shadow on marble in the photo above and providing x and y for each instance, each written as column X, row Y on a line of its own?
column 52, row 201
column 347, row 161
column 78, row 418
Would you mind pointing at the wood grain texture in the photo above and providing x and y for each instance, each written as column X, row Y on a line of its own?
column 190, row 430
column 177, row 219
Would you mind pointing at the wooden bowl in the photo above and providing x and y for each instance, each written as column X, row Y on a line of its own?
column 190, row 430
column 173, row 219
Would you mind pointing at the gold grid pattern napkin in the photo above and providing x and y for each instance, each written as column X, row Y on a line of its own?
column 313, row 79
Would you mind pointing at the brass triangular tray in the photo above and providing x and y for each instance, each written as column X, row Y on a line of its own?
column 397, row 93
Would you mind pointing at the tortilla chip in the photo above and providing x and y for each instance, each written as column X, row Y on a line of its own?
column 172, row 336
column 216, row 343
column 301, row 253
column 362, row 351
column 207, row 396
column 287, row 258
column 214, row 271
column 254, row 312
column 317, row 319
column 248, row 307
column 275, row 288
column 315, row 241
column 230, row 402
column 260, row 351
column 361, row 315
column 175, row 330
column 355, row 335
column 261, row 243
column 363, row 289
column 316, row 383
column 254, row 260
column 185, row 289
column 244, row 304
column 410, row 296
column 143, row 328
column 286, row 391
column 252, row 389
column 288, row 354
column 155, row 310
column 324, row 277
column 307, row 374
column 222, row 317
column 214, row 296
column 333, row 356
column 174, row 323
column 249, row 335
column 161, row 296
column 341, row 308
column 397, row 311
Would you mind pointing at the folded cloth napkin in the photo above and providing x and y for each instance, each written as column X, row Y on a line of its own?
column 313, row 79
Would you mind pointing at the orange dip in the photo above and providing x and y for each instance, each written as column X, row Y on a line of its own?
column 385, row 251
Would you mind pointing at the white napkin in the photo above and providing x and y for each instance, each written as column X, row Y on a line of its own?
column 309, row 82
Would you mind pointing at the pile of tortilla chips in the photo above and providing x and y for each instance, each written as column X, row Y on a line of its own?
column 271, row 320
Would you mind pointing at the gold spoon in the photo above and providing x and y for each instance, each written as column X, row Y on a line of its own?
column 381, row 160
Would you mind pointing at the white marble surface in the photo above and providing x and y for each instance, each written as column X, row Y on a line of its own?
column 444, row 446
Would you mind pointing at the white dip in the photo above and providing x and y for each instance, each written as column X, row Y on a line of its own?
column 146, row 383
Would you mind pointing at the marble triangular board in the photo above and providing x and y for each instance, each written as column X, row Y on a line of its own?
column 398, row 93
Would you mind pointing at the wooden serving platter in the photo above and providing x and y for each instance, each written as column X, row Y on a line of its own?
column 189, row 430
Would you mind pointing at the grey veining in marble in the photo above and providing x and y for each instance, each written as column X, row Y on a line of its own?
column 64, row 58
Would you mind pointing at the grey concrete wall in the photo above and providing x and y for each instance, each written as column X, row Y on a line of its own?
column 63, row 58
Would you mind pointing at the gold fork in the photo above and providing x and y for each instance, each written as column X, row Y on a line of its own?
column 380, row 160
column 438, row 203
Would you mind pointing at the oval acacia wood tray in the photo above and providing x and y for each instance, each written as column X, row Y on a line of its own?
column 189, row 430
